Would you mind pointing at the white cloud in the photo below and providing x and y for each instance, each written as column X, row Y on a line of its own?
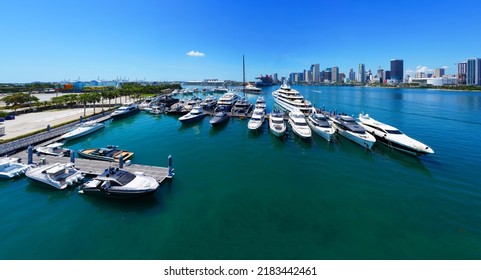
column 445, row 67
column 423, row 69
column 195, row 53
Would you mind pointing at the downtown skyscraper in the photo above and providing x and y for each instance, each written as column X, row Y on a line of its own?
column 361, row 73
column 397, row 70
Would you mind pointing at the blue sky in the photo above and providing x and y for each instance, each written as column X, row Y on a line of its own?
column 147, row 39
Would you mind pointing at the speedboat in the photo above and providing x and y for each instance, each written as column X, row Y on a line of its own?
column 393, row 137
column 11, row 167
column 83, row 129
column 228, row 99
column 125, row 110
column 54, row 149
column 277, row 125
column 257, row 119
column 57, row 175
column 119, row 183
column 197, row 113
column 349, row 128
column 297, row 120
column 109, row 153
column 320, row 125
column 290, row 99
column 220, row 116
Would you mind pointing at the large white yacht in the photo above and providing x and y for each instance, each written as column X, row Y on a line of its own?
column 119, row 183
column 349, row 128
column 83, row 129
column 290, row 99
column 297, row 120
column 393, row 137
column 257, row 119
column 320, row 125
column 11, row 167
column 125, row 110
column 228, row 99
column 57, row 175
column 277, row 125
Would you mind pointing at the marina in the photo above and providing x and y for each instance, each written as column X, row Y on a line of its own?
column 304, row 199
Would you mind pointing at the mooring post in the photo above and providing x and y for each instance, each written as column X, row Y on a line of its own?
column 171, row 173
column 121, row 161
column 30, row 154
column 81, row 119
column 72, row 156
column 48, row 127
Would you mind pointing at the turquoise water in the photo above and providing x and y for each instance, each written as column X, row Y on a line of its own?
column 243, row 195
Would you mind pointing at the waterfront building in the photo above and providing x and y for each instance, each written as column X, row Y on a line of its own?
column 274, row 78
column 335, row 74
column 361, row 73
column 473, row 74
column 462, row 71
column 342, row 77
column 352, row 75
column 380, row 75
column 327, row 75
column 307, row 76
column 438, row 72
column 397, row 70
column 315, row 73
column 386, row 76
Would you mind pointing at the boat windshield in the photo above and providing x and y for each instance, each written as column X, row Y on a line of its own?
column 393, row 131
column 277, row 121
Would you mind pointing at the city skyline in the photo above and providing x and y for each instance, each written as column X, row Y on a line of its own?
column 189, row 40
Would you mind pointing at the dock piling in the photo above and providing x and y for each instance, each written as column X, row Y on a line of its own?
column 121, row 161
column 72, row 156
column 171, row 170
column 30, row 154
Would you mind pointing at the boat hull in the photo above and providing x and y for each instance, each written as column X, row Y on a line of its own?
column 193, row 119
column 124, row 115
column 366, row 140
column 219, row 121
column 117, row 194
column 69, row 136
column 86, row 153
column 326, row 133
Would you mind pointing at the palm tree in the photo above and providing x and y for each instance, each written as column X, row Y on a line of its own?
column 94, row 97
column 84, row 98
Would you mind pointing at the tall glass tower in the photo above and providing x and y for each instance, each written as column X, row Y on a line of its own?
column 397, row 70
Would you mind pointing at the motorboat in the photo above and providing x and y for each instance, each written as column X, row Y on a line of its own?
column 178, row 108
column 290, row 99
column 393, row 137
column 277, row 125
column 260, row 103
column 352, row 130
column 208, row 102
column 12, row 167
column 83, row 129
column 220, row 116
column 57, row 175
column 242, row 107
column 197, row 113
column 319, row 123
column 257, row 119
column 119, row 183
column 221, row 89
column 54, row 149
column 189, row 104
column 109, row 153
column 125, row 110
column 252, row 89
column 228, row 100
column 157, row 110
column 297, row 120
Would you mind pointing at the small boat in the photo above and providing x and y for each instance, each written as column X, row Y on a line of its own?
column 119, row 183
column 252, row 89
column 257, row 119
column 220, row 116
column 277, row 125
column 393, row 137
column 83, row 129
column 11, row 167
column 320, row 125
column 54, row 149
column 349, row 128
column 299, row 125
column 57, row 175
column 194, row 115
column 109, row 153
column 125, row 110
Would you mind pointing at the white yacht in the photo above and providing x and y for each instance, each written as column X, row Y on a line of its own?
column 208, row 102
column 228, row 100
column 195, row 114
column 277, row 125
column 320, row 125
column 257, row 119
column 119, row 183
column 11, row 167
column 83, row 129
column 57, row 175
column 297, row 120
column 125, row 110
column 253, row 89
column 393, row 137
column 290, row 99
column 54, row 149
column 261, row 103
column 349, row 128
